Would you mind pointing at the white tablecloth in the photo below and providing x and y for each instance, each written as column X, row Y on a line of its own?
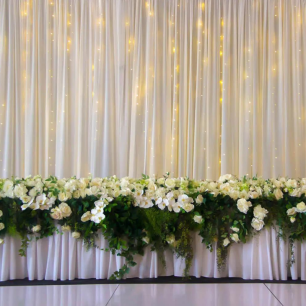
column 63, row 257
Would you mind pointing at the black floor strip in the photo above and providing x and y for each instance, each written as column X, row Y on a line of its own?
column 159, row 280
column 274, row 295
column 112, row 295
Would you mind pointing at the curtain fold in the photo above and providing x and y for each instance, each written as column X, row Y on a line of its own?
column 125, row 87
column 65, row 258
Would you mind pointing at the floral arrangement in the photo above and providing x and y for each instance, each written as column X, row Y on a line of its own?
column 160, row 212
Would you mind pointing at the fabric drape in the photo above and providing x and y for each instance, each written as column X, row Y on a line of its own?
column 63, row 257
column 125, row 87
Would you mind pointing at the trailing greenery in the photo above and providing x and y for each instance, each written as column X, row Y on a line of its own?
column 160, row 213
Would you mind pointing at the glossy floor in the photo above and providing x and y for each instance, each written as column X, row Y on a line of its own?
column 155, row 294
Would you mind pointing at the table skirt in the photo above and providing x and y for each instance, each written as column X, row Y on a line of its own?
column 63, row 257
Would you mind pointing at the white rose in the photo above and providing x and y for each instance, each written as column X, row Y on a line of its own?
column 66, row 228
column 65, row 209
column 292, row 219
column 234, row 194
column 254, row 195
column 278, row 194
column 188, row 207
column 1, row 213
column 56, row 214
column 199, row 199
column 161, row 181
column 33, row 192
column 146, row 239
column 1, row 241
column 243, row 205
column 20, row 190
column 36, row 228
column 226, row 242
column 291, row 183
column 198, row 219
column 225, row 177
column 61, row 182
column 7, row 186
column 260, row 212
column 291, row 211
column 170, row 182
column 235, row 229
column 296, row 192
column 76, row 194
column 257, row 224
column 235, row 237
column 2, row 226
column 63, row 197
column 76, row 235
column 226, row 187
column 170, row 239
column 86, row 216
column 301, row 207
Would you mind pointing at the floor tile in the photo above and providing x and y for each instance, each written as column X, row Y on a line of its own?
column 192, row 295
column 289, row 294
column 68, row 295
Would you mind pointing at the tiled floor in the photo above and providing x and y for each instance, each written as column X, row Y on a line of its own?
column 155, row 294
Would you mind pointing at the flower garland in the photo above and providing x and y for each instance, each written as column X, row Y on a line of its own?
column 132, row 213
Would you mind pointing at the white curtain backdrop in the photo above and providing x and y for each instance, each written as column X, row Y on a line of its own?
column 63, row 257
column 194, row 87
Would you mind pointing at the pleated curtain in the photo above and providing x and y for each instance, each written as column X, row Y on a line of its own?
column 125, row 87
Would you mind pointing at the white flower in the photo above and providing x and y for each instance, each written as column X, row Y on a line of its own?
column 33, row 192
column 20, row 190
column 291, row 211
column 1, row 213
column 292, row 219
column 226, row 242
column 257, row 224
column 175, row 206
column 199, row 199
column 63, row 197
column 76, row 235
column 161, row 181
column 296, row 192
column 65, row 209
column 235, row 237
column 56, row 214
column 243, row 205
column 36, row 228
column 278, row 194
column 25, row 198
column 146, row 239
column 7, row 186
column 198, row 219
column 291, row 183
column 86, row 216
column 76, row 194
column 235, row 229
column 170, row 239
column 66, row 228
column 225, row 177
column 2, row 226
column 101, row 203
column 188, row 207
column 162, row 203
column 1, row 241
column 97, row 214
column 260, row 212
column 43, row 203
column 301, row 207
column 170, row 182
